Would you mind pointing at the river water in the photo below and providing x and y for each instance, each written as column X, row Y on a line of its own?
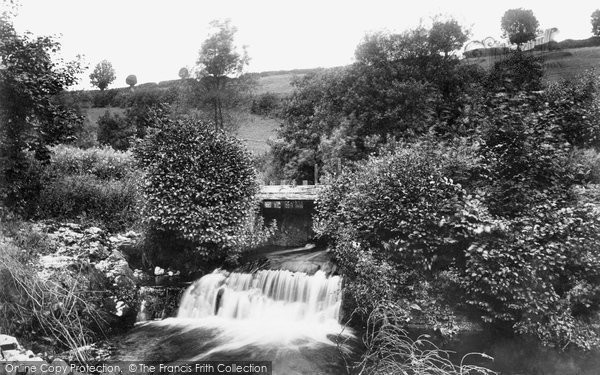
column 289, row 318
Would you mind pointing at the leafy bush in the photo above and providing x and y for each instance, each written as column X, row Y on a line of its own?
column 105, row 98
column 109, row 203
column 576, row 104
column 527, row 158
column 540, row 275
column 266, row 104
column 518, row 72
column 200, row 185
column 115, row 131
column 97, row 185
column 394, row 220
column 104, row 163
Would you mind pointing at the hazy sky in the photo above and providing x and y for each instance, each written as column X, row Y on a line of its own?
column 154, row 39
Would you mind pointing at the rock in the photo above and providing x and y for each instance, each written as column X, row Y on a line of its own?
column 97, row 251
column 124, row 282
column 94, row 231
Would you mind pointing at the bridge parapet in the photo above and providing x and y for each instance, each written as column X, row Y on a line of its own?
column 290, row 192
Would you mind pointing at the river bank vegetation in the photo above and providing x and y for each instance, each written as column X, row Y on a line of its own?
column 451, row 191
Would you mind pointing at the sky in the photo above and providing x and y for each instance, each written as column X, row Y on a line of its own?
column 153, row 39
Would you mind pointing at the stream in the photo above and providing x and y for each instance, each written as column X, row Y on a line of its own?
column 289, row 318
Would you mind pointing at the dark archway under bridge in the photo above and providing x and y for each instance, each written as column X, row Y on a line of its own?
column 292, row 206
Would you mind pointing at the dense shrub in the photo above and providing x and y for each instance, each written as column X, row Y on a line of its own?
column 527, row 159
column 540, row 275
column 576, row 105
column 519, row 71
column 104, row 163
column 115, row 131
column 266, row 104
column 112, row 204
column 394, row 220
column 100, row 186
column 200, row 186
column 104, row 98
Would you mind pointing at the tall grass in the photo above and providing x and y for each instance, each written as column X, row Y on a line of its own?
column 59, row 309
column 391, row 351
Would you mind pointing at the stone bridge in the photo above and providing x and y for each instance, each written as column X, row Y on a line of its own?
column 292, row 206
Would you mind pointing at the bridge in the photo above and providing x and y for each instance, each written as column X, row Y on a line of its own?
column 292, row 206
column 289, row 192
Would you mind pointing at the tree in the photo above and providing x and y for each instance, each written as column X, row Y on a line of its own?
column 31, row 119
column 447, row 36
column 103, row 75
column 519, row 25
column 184, row 73
column 131, row 80
column 219, row 62
column 596, row 22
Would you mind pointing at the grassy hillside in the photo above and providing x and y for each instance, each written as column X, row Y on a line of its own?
column 565, row 63
column 255, row 130
column 278, row 84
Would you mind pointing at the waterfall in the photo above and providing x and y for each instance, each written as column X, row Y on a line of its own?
column 267, row 295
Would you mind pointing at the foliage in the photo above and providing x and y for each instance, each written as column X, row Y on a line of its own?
column 395, row 219
column 200, row 185
column 391, row 350
column 59, row 309
column 517, row 72
column 115, row 131
column 401, row 86
column 527, row 158
column 105, row 98
column 519, row 25
column 103, row 163
column 266, row 104
column 541, row 275
column 131, row 80
column 218, row 60
column 100, row 186
column 447, row 36
column 577, row 102
column 596, row 22
column 103, row 75
column 30, row 116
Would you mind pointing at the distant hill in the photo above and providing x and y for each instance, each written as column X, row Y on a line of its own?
column 276, row 81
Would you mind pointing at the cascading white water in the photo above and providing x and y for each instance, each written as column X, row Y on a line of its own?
column 288, row 318
column 266, row 295
column 281, row 310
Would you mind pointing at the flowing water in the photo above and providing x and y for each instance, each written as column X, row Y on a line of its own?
column 290, row 318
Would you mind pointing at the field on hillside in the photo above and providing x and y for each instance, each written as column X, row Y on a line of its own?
column 255, row 130
column 560, row 64
column 278, row 84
